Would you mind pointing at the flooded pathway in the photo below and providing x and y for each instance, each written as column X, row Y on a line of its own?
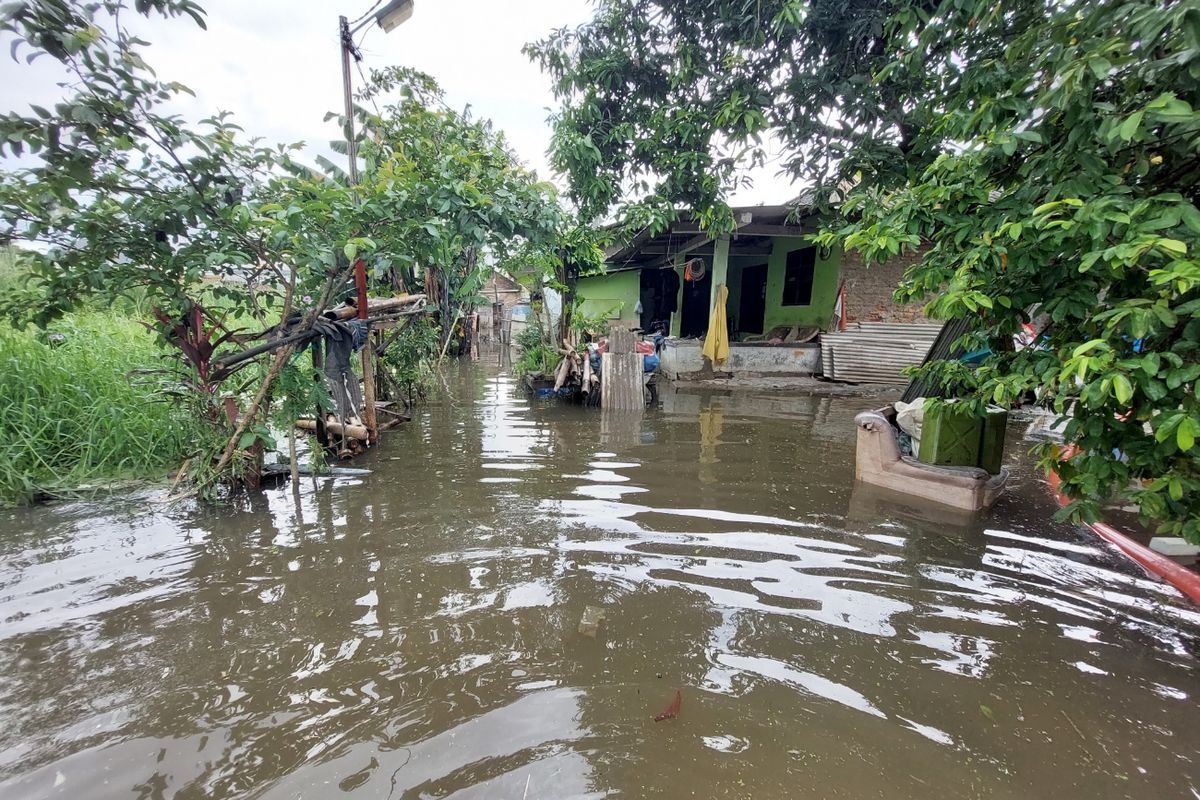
column 414, row 633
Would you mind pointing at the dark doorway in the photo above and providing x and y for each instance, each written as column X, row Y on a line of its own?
column 696, row 305
column 660, row 298
column 753, row 305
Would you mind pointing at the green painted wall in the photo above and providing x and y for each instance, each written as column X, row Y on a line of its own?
column 614, row 293
column 619, row 291
column 824, row 294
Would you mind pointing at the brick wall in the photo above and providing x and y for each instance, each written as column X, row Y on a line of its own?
column 869, row 289
column 509, row 293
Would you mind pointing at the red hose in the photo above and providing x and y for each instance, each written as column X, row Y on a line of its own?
column 1179, row 576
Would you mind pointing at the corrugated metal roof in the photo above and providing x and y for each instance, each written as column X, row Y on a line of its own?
column 876, row 352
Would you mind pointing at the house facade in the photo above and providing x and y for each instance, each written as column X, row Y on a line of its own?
column 495, row 318
column 783, row 290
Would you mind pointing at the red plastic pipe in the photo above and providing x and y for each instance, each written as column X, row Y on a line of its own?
column 1158, row 565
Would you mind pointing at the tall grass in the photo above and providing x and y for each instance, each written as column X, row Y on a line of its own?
column 71, row 414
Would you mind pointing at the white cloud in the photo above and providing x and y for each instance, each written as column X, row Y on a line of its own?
column 275, row 64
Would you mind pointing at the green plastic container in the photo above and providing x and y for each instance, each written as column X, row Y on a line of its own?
column 991, row 447
column 952, row 438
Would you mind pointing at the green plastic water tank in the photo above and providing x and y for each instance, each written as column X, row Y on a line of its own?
column 991, row 446
column 954, row 438
column 949, row 437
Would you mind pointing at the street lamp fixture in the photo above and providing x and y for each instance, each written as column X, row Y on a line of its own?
column 394, row 14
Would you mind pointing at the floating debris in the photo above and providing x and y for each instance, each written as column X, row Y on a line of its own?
column 671, row 711
column 589, row 623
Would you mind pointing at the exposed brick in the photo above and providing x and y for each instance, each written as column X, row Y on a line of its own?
column 869, row 289
column 508, row 293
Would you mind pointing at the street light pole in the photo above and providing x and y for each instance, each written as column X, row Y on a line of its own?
column 360, row 270
column 347, row 41
column 389, row 17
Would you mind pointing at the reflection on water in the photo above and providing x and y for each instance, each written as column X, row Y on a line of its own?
column 414, row 633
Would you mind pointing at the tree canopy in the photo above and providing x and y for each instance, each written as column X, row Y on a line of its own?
column 1042, row 156
column 458, row 197
column 117, row 196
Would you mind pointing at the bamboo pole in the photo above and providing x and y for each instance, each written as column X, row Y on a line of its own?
column 281, row 358
column 346, row 430
column 318, row 362
column 224, row 363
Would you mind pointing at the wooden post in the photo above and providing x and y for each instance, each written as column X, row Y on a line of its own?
column 318, row 359
column 621, row 373
column 720, row 269
column 368, row 366
column 677, row 315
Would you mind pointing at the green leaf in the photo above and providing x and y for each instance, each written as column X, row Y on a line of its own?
column 1100, row 66
column 1190, row 22
column 1130, row 126
column 1123, row 389
column 1185, row 435
column 1154, row 389
column 1175, row 489
column 1165, row 316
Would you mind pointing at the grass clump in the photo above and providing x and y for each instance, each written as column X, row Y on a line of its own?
column 534, row 356
column 73, row 414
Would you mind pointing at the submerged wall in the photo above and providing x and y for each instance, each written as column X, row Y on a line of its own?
column 682, row 358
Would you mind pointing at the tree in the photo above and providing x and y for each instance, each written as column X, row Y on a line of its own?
column 1045, row 156
column 122, row 197
column 667, row 102
column 460, row 198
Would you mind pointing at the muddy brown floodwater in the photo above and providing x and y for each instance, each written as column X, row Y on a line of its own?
column 415, row 633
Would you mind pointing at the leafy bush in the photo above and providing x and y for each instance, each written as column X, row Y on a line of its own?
column 534, row 357
column 407, row 365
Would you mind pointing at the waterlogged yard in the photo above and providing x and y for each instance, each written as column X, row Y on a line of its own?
column 415, row 633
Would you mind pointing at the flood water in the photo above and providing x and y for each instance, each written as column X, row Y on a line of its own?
column 415, row 633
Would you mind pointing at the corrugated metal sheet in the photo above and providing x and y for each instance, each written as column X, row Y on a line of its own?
column 941, row 350
column 876, row 352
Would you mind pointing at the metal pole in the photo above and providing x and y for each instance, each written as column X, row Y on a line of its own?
column 351, row 145
column 360, row 273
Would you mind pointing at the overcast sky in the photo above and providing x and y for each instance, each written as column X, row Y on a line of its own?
column 275, row 64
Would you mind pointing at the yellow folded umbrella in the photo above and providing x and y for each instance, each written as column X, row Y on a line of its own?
column 716, row 342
